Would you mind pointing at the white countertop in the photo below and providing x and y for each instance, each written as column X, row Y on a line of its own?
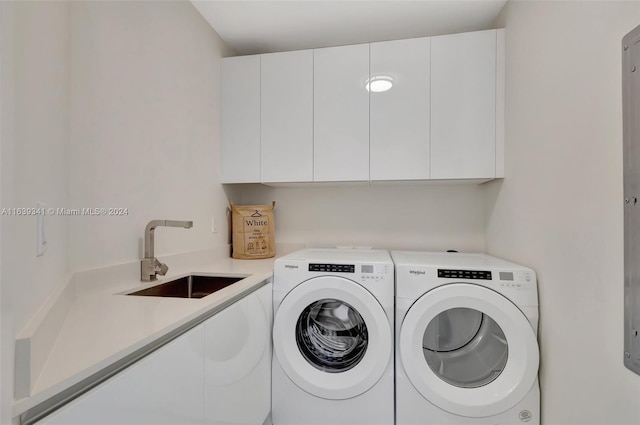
column 103, row 325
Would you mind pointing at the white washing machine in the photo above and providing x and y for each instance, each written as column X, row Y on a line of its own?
column 333, row 338
column 466, row 340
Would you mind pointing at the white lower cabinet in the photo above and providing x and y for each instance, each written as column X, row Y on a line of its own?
column 216, row 373
column 163, row 388
column 238, row 362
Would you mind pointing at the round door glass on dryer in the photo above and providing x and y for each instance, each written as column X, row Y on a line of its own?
column 332, row 337
column 468, row 350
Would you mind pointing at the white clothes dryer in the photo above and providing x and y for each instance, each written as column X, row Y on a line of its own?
column 333, row 338
column 466, row 340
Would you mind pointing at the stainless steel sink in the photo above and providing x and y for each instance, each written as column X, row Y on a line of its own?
column 192, row 286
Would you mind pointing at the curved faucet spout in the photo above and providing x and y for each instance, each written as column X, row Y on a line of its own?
column 149, row 240
column 150, row 266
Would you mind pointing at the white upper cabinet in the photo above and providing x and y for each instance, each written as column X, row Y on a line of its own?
column 286, row 86
column 500, row 100
column 240, row 120
column 341, row 113
column 400, row 115
column 463, row 105
column 307, row 116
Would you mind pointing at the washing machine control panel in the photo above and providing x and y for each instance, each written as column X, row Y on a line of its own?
column 332, row 268
column 464, row 274
column 375, row 272
column 517, row 280
column 361, row 272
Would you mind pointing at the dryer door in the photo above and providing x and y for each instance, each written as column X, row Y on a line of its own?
column 332, row 337
column 468, row 350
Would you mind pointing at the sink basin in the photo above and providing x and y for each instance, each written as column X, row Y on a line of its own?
column 192, row 286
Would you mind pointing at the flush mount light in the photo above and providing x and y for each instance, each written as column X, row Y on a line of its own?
column 379, row 83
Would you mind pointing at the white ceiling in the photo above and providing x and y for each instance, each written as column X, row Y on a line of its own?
column 265, row 26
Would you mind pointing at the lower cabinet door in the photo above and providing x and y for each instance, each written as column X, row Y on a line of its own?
column 163, row 388
column 238, row 362
column 216, row 373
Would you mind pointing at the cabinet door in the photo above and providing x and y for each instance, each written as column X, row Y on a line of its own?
column 341, row 113
column 463, row 105
column 163, row 388
column 287, row 116
column 238, row 361
column 240, row 120
column 400, row 116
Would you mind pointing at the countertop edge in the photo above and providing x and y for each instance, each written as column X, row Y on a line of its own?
column 38, row 405
column 87, row 288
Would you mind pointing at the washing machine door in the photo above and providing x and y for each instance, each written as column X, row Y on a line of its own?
column 332, row 337
column 468, row 350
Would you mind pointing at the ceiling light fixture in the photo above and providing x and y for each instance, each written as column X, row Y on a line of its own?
column 379, row 83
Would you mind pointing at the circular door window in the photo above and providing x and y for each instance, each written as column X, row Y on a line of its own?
column 332, row 338
column 331, row 335
column 465, row 347
column 468, row 350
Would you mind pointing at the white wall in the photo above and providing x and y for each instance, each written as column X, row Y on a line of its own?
column 428, row 217
column 560, row 208
column 35, row 131
column 145, row 118
column 34, row 157
column 6, row 134
column 112, row 104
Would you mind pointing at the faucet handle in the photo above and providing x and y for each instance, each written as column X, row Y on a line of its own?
column 161, row 268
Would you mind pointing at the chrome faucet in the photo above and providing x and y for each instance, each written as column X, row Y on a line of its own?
column 150, row 266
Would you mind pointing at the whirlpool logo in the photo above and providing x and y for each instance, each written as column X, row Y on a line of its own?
column 290, row 266
column 417, row 272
